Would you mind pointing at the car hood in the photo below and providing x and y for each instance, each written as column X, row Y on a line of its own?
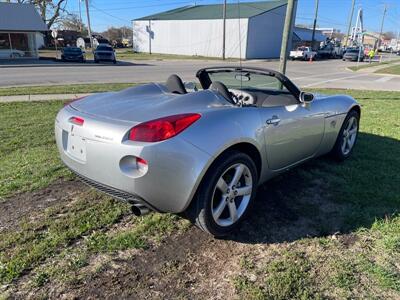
column 147, row 102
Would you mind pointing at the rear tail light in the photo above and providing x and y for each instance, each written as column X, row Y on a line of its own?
column 77, row 121
column 163, row 128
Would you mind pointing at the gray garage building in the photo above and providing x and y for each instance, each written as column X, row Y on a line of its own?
column 21, row 30
column 253, row 30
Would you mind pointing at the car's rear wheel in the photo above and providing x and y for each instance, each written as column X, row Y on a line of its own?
column 347, row 137
column 225, row 195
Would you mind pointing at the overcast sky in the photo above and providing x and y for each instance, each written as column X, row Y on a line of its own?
column 332, row 13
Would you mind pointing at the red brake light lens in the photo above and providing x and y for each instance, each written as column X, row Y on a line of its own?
column 163, row 128
column 77, row 121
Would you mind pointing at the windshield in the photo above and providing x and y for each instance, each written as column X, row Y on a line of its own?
column 352, row 51
column 246, row 80
column 104, row 48
column 73, row 50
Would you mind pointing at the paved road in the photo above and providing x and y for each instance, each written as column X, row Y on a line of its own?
column 328, row 73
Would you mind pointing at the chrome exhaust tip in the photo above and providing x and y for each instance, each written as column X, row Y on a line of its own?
column 139, row 210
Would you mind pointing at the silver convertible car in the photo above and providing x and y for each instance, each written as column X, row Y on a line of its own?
column 203, row 152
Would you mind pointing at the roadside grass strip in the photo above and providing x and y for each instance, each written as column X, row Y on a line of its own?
column 393, row 70
column 367, row 65
column 64, row 89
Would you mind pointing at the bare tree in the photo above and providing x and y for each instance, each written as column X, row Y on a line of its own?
column 50, row 10
column 72, row 22
column 118, row 33
column 389, row 35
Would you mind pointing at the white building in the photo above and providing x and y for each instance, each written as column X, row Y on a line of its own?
column 21, row 30
column 253, row 30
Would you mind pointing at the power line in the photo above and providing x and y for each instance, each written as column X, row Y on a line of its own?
column 147, row 6
column 108, row 14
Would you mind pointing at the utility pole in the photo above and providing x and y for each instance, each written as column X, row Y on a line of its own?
column 315, row 24
column 350, row 21
column 88, row 20
column 286, row 35
column 149, row 27
column 380, row 32
column 223, row 29
column 80, row 16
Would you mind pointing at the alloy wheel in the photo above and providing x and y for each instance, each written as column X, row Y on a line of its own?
column 349, row 135
column 232, row 194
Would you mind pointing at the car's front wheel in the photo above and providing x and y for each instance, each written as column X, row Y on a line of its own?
column 226, row 194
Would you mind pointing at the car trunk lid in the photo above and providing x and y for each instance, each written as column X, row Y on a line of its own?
column 145, row 102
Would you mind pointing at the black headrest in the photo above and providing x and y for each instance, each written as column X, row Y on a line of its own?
column 222, row 89
column 175, row 85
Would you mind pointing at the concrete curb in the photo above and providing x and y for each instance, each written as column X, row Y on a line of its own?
column 43, row 97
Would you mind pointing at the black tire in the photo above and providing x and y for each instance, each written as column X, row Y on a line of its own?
column 114, row 62
column 96, row 61
column 200, row 210
column 337, row 152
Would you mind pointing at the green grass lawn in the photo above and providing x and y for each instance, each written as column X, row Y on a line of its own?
column 68, row 243
column 395, row 70
column 128, row 54
column 28, row 155
column 64, row 89
column 365, row 64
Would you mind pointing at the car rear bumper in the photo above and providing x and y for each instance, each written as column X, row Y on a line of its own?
column 175, row 166
column 105, row 58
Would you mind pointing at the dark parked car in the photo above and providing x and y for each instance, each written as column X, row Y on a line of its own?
column 104, row 53
column 352, row 54
column 73, row 54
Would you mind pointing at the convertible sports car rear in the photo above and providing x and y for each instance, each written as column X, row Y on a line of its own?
column 204, row 152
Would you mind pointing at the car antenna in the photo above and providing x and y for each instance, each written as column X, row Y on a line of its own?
column 240, row 45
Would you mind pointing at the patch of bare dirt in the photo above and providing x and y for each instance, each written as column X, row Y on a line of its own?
column 193, row 265
column 29, row 204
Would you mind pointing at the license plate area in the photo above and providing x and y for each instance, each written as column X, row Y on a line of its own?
column 76, row 147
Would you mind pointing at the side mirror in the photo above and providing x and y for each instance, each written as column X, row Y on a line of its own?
column 190, row 86
column 306, row 97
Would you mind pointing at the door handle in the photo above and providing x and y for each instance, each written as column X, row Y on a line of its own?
column 274, row 121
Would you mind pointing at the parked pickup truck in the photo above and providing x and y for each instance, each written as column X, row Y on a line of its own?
column 304, row 53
